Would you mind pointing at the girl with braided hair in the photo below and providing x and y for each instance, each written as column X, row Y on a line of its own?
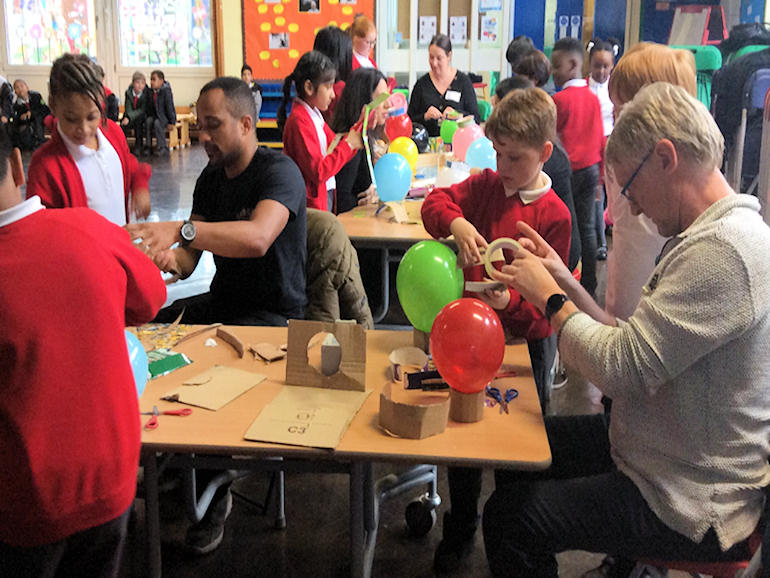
column 86, row 163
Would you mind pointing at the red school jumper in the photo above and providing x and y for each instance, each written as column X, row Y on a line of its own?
column 300, row 142
column 70, row 281
column 579, row 124
column 481, row 200
column 54, row 177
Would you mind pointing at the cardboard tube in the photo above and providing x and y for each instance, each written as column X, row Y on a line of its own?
column 466, row 407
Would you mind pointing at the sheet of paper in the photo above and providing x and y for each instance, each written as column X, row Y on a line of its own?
column 307, row 416
column 216, row 387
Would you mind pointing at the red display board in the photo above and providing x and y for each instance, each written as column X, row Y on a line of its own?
column 277, row 32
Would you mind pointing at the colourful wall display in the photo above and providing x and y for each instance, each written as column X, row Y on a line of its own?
column 277, row 32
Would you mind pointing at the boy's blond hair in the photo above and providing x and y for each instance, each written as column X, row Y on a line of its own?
column 648, row 62
column 527, row 115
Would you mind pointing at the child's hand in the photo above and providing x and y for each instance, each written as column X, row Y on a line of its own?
column 354, row 139
column 468, row 240
column 497, row 299
column 140, row 203
column 166, row 261
column 369, row 196
column 124, row 122
column 433, row 113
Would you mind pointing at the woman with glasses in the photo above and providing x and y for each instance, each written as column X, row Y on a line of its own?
column 442, row 92
column 364, row 34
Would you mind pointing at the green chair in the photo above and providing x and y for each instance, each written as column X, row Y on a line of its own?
column 745, row 50
column 708, row 60
column 485, row 109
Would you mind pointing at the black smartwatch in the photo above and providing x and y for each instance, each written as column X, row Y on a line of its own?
column 188, row 232
column 554, row 304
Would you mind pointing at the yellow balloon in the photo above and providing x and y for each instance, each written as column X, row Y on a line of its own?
column 405, row 146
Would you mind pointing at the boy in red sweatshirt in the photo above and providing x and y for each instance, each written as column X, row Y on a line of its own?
column 70, row 281
column 483, row 208
column 580, row 128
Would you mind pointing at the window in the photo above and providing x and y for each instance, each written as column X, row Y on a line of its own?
column 165, row 32
column 38, row 32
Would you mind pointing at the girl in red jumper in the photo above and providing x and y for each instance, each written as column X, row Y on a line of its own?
column 307, row 139
column 87, row 162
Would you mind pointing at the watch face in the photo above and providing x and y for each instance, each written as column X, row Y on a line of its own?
column 188, row 232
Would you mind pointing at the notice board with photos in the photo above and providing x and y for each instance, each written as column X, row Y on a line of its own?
column 277, row 32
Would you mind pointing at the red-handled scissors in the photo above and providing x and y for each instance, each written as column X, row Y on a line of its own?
column 152, row 423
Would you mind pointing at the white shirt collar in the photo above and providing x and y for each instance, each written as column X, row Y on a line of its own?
column 314, row 112
column 528, row 196
column 575, row 82
column 80, row 151
column 18, row 212
column 593, row 83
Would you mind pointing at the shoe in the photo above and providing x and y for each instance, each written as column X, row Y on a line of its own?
column 163, row 152
column 455, row 546
column 601, row 253
column 206, row 535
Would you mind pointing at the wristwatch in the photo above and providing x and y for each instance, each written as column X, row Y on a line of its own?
column 554, row 304
column 188, row 232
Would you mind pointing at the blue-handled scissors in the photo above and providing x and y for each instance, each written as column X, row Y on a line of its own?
column 503, row 399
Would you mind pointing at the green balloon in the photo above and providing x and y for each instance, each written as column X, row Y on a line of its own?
column 448, row 128
column 427, row 280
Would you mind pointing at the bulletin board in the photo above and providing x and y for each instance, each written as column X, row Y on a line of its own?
column 277, row 32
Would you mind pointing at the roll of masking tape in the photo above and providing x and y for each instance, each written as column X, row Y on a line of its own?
column 494, row 247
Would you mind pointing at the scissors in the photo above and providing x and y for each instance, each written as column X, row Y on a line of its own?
column 503, row 400
column 152, row 423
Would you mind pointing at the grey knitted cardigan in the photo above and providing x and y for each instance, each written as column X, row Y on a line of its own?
column 689, row 375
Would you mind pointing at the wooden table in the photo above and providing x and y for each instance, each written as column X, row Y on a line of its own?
column 220, row 434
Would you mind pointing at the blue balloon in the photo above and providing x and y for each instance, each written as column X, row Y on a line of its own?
column 393, row 176
column 138, row 358
column 481, row 154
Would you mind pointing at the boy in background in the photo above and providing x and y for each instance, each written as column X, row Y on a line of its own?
column 247, row 76
column 161, row 113
column 483, row 208
column 135, row 111
column 580, row 128
column 29, row 111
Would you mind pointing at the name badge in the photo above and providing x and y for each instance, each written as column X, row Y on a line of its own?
column 452, row 95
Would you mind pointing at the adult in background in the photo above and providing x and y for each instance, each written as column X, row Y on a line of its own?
column 70, row 434
column 443, row 91
column 679, row 471
column 635, row 239
column 363, row 32
column 249, row 211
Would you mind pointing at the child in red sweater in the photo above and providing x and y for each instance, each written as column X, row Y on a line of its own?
column 580, row 128
column 485, row 207
column 307, row 139
column 87, row 162
column 69, row 434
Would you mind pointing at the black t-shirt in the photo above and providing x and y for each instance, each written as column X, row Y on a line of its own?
column 276, row 281
column 352, row 179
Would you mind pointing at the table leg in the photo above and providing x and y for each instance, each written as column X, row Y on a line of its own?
column 152, row 515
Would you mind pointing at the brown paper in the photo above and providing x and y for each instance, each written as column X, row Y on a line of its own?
column 307, row 416
column 421, row 340
column 216, row 387
column 413, row 421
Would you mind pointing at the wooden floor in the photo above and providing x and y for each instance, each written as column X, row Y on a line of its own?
column 316, row 540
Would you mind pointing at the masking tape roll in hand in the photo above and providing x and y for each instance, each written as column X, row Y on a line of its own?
column 494, row 247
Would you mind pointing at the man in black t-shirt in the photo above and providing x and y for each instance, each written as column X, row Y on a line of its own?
column 248, row 210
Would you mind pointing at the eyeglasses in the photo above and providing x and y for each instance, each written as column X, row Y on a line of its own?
column 370, row 42
column 625, row 189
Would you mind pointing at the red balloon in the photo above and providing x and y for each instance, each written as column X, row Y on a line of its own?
column 467, row 344
column 396, row 126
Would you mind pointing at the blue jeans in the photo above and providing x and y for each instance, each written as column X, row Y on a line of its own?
column 582, row 502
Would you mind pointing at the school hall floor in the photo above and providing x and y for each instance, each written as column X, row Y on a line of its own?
column 315, row 542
